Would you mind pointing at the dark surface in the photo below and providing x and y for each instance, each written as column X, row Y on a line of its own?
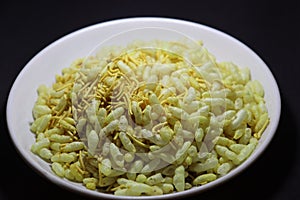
column 270, row 28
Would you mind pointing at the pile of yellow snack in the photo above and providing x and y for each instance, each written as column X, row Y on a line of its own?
column 148, row 119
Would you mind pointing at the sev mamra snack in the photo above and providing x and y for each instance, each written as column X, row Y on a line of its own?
column 151, row 118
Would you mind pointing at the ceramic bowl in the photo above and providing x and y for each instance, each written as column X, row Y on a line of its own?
column 43, row 67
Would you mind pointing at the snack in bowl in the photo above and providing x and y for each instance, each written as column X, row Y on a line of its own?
column 151, row 118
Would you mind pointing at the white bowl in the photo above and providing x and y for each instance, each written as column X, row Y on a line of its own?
column 49, row 62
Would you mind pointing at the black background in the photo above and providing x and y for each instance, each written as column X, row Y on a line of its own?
column 270, row 28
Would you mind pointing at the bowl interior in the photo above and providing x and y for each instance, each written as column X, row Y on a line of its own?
column 50, row 61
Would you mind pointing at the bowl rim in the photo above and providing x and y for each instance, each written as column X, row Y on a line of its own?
column 59, row 181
